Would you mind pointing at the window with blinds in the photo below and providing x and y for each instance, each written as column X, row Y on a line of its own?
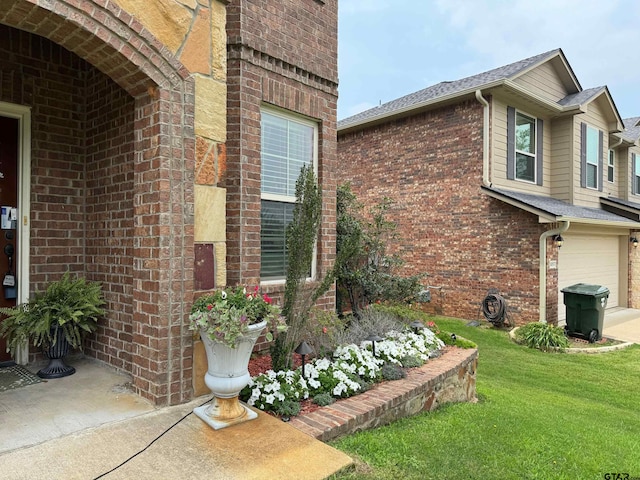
column 288, row 143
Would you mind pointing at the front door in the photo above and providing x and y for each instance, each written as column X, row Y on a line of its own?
column 9, row 136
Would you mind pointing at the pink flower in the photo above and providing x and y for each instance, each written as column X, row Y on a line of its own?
column 256, row 289
column 267, row 298
column 209, row 307
column 324, row 330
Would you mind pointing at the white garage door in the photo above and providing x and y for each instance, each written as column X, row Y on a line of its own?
column 589, row 259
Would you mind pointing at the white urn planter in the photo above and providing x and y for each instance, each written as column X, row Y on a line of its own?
column 227, row 374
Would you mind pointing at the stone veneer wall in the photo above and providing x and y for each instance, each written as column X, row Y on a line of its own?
column 449, row 378
column 195, row 32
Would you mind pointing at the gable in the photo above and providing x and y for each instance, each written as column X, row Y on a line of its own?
column 544, row 81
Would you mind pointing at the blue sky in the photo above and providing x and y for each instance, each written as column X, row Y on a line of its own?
column 389, row 48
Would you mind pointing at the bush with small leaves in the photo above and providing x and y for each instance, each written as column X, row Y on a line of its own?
column 411, row 361
column 323, row 399
column 391, row 371
column 288, row 408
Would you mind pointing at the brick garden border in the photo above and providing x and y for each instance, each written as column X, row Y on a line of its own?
column 448, row 378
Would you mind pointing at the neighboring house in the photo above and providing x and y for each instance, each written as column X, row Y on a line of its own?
column 487, row 170
column 119, row 155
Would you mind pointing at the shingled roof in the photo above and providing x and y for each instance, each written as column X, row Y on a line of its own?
column 557, row 210
column 445, row 89
column 631, row 131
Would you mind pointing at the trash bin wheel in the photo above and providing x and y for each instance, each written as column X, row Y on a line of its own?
column 593, row 336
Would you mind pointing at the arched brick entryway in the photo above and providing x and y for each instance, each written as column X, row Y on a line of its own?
column 117, row 178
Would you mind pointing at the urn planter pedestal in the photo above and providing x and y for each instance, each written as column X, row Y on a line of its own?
column 227, row 374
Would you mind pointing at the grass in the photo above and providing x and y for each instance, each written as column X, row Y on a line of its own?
column 539, row 416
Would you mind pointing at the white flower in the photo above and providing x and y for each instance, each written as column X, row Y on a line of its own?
column 223, row 294
column 270, row 398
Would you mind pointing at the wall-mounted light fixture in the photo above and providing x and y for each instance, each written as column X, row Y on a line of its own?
column 558, row 240
column 634, row 241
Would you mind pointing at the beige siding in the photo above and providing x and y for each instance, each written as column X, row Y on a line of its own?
column 615, row 188
column 499, row 152
column 561, row 158
column 543, row 81
column 595, row 118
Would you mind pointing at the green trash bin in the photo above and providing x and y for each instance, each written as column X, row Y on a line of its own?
column 585, row 306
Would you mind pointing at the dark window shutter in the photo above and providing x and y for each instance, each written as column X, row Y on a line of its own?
column 634, row 182
column 539, row 154
column 583, row 155
column 511, row 143
column 600, row 160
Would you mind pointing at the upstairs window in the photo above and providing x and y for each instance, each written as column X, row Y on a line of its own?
column 524, row 147
column 591, row 143
column 611, row 166
column 288, row 143
column 635, row 163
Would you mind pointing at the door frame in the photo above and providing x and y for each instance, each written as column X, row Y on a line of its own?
column 23, row 115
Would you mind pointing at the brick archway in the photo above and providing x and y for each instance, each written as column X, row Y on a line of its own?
column 157, row 343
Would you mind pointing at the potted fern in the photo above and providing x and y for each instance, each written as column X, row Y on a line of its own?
column 55, row 320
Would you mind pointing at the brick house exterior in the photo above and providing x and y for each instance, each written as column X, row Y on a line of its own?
column 292, row 67
column 441, row 155
column 121, row 109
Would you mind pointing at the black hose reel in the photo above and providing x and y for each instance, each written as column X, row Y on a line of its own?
column 494, row 308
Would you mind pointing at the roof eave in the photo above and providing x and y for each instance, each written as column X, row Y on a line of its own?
column 384, row 117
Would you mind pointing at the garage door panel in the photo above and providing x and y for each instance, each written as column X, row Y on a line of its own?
column 591, row 259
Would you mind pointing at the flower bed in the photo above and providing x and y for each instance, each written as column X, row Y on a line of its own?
column 353, row 369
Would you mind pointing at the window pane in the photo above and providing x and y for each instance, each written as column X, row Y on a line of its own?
column 610, row 173
column 287, row 145
column 525, row 133
column 275, row 216
column 592, row 176
column 525, row 167
column 592, row 146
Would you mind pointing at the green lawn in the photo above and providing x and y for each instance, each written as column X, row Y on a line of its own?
column 539, row 415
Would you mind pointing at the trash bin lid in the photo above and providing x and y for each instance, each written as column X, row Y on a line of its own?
column 586, row 289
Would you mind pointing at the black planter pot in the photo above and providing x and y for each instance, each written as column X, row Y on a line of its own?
column 55, row 354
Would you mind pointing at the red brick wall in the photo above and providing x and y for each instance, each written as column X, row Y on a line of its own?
column 55, row 82
column 81, row 177
column 284, row 57
column 109, row 213
column 49, row 79
column 430, row 165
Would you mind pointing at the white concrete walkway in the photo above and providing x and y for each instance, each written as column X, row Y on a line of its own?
column 622, row 324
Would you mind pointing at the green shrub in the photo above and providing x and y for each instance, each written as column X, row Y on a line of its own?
column 403, row 312
column 391, row 371
column 323, row 399
column 411, row 361
column 288, row 408
column 542, row 336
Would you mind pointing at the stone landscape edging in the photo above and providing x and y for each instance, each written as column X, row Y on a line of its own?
column 572, row 350
column 448, row 378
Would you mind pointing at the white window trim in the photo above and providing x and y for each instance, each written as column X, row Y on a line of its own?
column 288, row 115
column 587, row 162
column 528, row 154
column 611, row 164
